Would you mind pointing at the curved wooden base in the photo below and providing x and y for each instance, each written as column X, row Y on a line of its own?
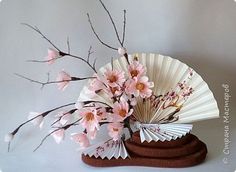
column 184, row 152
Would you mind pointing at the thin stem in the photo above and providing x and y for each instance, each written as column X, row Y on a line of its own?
column 68, row 45
column 89, row 53
column 95, row 33
column 88, row 102
column 39, row 32
column 66, row 54
column 60, row 128
column 68, row 112
column 8, row 146
column 80, row 58
column 41, row 143
column 124, row 28
column 60, row 52
column 112, row 21
column 52, row 82
column 42, row 114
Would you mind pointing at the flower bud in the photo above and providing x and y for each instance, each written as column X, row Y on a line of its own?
column 122, row 51
column 8, row 137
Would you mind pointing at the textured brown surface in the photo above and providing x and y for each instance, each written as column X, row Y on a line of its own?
column 188, row 151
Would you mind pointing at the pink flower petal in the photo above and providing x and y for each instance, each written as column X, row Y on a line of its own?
column 37, row 121
column 63, row 79
column 59, row 135
column 115, row 130
column 52, row 55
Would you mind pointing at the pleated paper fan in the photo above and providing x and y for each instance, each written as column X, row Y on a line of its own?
column 166, row 73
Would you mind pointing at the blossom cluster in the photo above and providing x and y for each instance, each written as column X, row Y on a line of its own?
column 123, row 91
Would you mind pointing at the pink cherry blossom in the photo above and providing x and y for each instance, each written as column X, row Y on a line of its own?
column 121, row 110
column 114, row 78
column 90, row 119
column 52, row 56
column 37, row 121
column 113, row 91
column 63, row 80
column 139, row 87
column 170, row 98
column 80, row 138
column 59, row 135
column 115, row 130
column 136, row 69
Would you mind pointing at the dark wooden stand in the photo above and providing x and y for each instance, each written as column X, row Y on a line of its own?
column 184, row 152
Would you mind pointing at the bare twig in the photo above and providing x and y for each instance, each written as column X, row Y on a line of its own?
column 61, row 53
column 91, row 101
column 44, row 37
column 112, row 64
column 124, row 27
column 68, row 45
column 80, row 58
column 52, row 82
column 59, row 128
column 89, row 53
column 42, row 114
column 43, row 140
column 95, row 33
column 42, row 61
column 8, row 146
column 112, row 21
column 68, row 112
column 94, row 63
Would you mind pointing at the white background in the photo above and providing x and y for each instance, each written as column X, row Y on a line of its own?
column 201, row 33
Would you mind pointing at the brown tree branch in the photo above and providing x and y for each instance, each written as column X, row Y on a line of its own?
column 39, row 32
column 95, row 33
column 42, row 114
column 59, row 128
column 68, row 45
column 124, row 28
column 112, row 21
column 52, row 82
column 61, row 53
column 68, row 112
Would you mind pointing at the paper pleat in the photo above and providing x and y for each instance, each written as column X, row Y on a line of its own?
column 109, row 149
column 162, row 132
column 165, row 72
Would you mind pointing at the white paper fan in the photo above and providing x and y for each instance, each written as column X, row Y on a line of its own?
column 162, row 132
column 108, row 149
column 166, row 73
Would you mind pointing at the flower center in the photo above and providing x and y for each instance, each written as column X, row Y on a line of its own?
column 115, row 129
column 114, row 89
column 134, row 73
column 112, row 78
column 140, row 86
column 89, row 116
column 122, row 113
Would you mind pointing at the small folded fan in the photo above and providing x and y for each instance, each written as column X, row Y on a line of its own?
column 169, row 76
column 108, row 149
